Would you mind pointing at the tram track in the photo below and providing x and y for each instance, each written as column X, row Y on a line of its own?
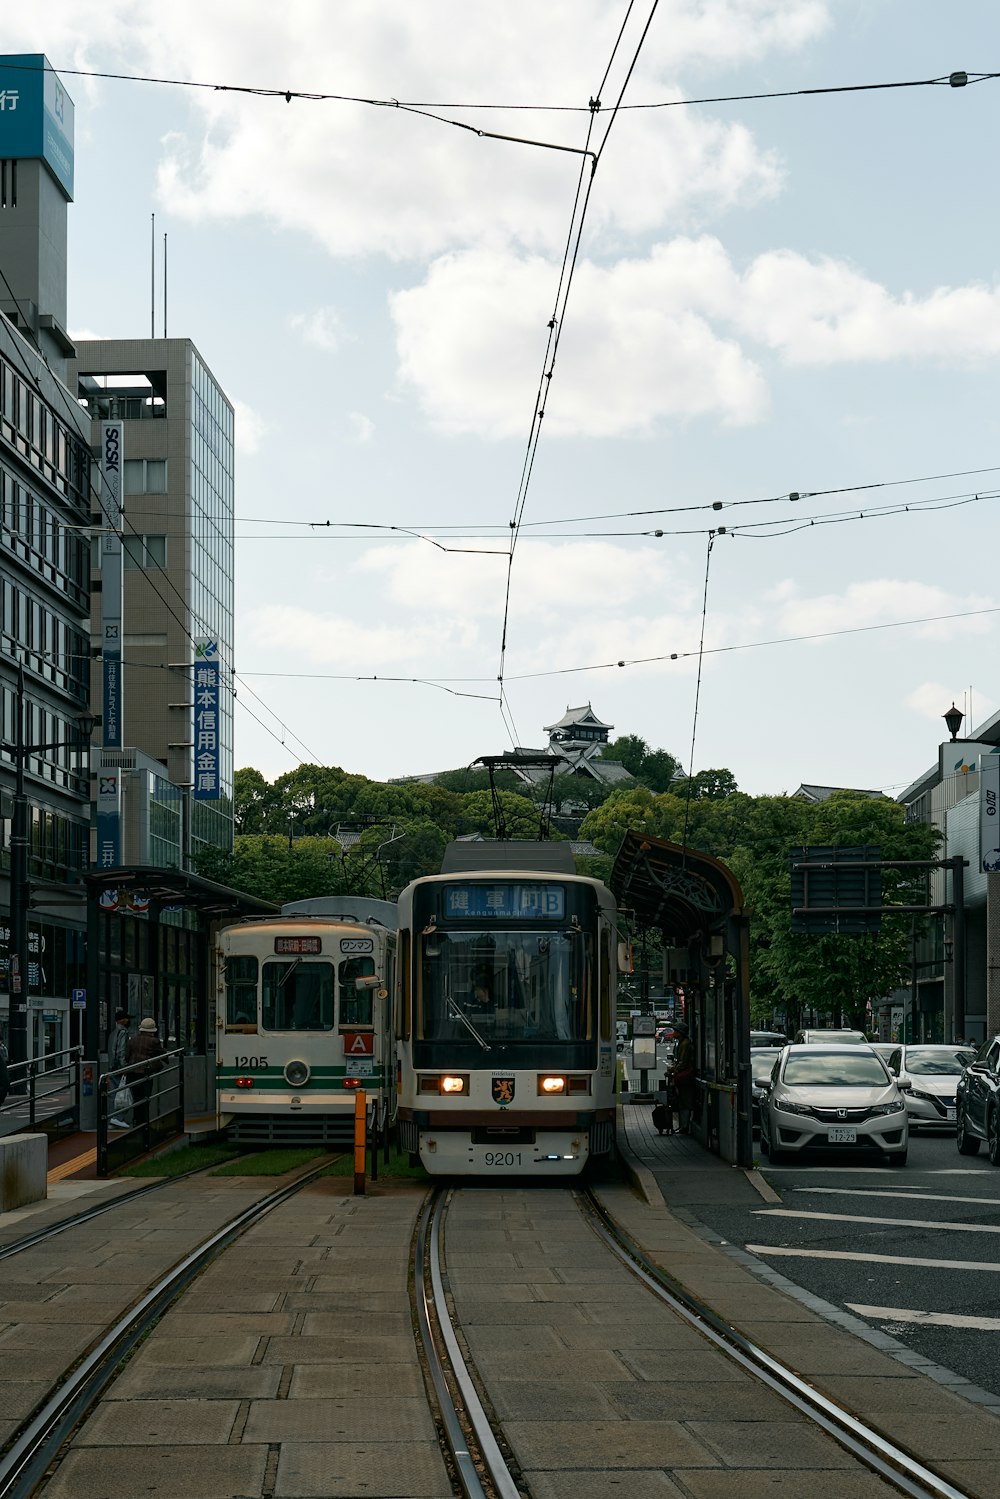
column 30, row 1454
column 882, row 1456
column 479, row 1466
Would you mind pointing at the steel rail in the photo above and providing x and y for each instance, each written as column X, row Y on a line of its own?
column 870, row 1447
column 25, row 1461
column 431, row 1306
column 29, row 1241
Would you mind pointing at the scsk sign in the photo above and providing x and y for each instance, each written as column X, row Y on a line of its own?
column 989, row 812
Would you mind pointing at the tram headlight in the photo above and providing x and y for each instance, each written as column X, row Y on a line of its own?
column 551, row 1085
column 244, row 1082
column 453, row 1085
column 296, row 1074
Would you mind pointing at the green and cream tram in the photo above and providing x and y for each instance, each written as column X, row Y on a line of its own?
column 302, row 1020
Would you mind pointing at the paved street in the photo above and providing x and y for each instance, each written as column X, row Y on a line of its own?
column 914, row 1253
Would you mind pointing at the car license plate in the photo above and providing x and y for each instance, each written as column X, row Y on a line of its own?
column 842, row 1136
column 949, row 1113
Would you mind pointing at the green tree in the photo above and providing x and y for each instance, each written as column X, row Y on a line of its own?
column 264, row 866
column 629, row 749
column 253, row 800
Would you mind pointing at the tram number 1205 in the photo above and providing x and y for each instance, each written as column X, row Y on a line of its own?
column 502, row 1158
column 250, row 1062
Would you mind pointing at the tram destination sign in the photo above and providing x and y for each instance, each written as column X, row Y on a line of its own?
column 298, row 945
column 505, row 902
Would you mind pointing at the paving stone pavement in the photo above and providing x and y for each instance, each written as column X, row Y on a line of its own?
column 290, row 1369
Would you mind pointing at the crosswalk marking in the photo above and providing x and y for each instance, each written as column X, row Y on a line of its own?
column 926, row 1319
column 870, row 1259
column 956, row 1228
column 913, row 1193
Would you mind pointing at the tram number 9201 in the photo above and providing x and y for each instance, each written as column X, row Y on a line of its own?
column 502, row 1158
column 250, row 1061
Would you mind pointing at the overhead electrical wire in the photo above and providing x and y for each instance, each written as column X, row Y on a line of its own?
column 959, row 78
column 581, row 201
column 126, row 522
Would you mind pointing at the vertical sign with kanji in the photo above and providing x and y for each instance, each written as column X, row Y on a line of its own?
column 206, row 721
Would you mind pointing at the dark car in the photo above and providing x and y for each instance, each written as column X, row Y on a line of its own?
column 977, row 1103
column 762, row 1060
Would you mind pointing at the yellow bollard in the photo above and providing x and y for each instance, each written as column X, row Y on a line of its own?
column 360, row 1117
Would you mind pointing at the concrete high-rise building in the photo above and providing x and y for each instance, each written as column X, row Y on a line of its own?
column 177, row 546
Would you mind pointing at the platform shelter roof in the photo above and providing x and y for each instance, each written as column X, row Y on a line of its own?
column 677, row 890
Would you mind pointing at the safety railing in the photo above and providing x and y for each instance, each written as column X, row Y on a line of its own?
column 44, row 1094
column 139, row 1107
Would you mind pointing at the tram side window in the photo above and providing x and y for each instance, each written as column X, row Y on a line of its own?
column 297, row 996
column 241, row 993
column 356, row 1004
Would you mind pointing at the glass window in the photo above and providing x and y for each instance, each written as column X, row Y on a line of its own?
column 862, row 1069
column 241, row 992
column 932, row 1063
column 510, row 986
column 297, row 996
column 133, row 475
column 156, row 476
column 355, row 1004
column 156, row 551
column 132, row 552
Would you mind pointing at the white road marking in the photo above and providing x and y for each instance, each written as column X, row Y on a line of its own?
column 956, row 1228
column 914, row 1194
column 928, row 1319
column 870, row 1259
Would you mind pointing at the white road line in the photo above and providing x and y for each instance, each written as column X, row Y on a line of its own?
column 928, row 1319
column 870, row 1259
column 913, row 1194
column 955, row 1228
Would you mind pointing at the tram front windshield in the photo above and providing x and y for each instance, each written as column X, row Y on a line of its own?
column 497, row 991
column 297, row 996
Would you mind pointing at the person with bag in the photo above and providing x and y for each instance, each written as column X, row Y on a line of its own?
column 118, row 1086
column 145, row 1046
column 682, row 1077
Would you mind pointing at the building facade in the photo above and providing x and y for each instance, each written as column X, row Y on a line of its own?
column 177, row 553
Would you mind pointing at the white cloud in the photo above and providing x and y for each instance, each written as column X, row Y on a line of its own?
column 666, row 336
column 361, row 180
column 249, row 426
column 349, row 644
column 827, row 312
column 880, row 601
column 471, row 337
column 321, row 328
column 362, row 426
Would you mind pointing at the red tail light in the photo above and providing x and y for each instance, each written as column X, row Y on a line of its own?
column 244, row 1082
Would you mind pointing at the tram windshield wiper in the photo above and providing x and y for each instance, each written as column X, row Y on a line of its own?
column 459, row 1014
column 288, row 973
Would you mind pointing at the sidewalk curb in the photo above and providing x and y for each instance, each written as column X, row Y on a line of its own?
column 640, row 1178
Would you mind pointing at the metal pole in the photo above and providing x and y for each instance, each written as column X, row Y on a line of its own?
column 958, row 896
column 17, row 962
column 360, row 1116
column 913, row 981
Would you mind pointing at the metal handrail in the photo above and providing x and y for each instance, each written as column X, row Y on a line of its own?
column 165, row 1075
column 29, row 1080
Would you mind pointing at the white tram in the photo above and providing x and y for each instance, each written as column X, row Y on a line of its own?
column 302, row 1020
column 505, row 1015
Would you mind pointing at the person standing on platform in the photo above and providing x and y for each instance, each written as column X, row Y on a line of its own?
column 118, row 1041
column 682, row 1077
column 144, row 1046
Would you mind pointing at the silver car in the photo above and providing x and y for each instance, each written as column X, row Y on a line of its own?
column 840, row 1097
column 927, row 1077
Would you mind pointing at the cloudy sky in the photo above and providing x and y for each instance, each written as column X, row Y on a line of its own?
column 775, row 296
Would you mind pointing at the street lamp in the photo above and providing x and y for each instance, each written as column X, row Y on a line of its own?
column 953, row 720
column 17, row 952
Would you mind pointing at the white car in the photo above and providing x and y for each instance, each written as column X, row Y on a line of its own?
column 927, row 1077
column 840, row 1097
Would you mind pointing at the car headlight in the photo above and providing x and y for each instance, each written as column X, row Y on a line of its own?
column 916, row 1093
column 791, row 1108
column 896, row 1107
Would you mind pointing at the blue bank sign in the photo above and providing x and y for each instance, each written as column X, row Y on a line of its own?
column 36, row 115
